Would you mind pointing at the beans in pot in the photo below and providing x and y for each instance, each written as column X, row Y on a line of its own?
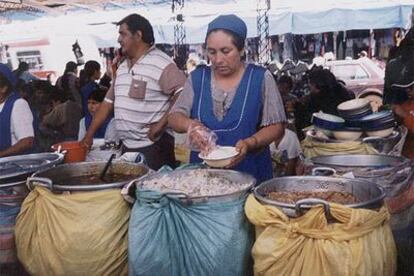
column 292, row 197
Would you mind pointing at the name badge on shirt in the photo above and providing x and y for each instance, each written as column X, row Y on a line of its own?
column 137, row 88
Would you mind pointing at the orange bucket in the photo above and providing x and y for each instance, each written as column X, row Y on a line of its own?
column 75, row 151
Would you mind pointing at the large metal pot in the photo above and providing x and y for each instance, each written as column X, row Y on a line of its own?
column 235, row 177
column 386, row 145
column 390, row 172
column 65, row 172
column 13, row 173
column 368, row 195
column 15, row 169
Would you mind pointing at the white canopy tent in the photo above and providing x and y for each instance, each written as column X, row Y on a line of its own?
column 294, row 16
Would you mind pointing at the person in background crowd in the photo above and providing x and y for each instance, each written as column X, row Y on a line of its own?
column 16, row 119
column 107, row 130
column 285, row 154
column 234, row 99
column 22, row 73
column 145, row 85
column 64, row 116
column 69, row 82
column 192, row 62
column 326, row 93
column 402, row 57
column 88, row 77
column 285, row 86
column 403, row 105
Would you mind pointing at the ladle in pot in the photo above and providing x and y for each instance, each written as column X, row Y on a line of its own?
column 103, row 173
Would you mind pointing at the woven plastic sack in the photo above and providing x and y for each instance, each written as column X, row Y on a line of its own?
column 312, row 148
column 168, row 237
column 402, row 201
column 10, row 202
column 82, row 233
column 402, row 225
column 360, row 243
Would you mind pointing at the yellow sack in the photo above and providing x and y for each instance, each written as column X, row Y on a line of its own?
column 361, row 244
column 312, row 148
column 73, row 234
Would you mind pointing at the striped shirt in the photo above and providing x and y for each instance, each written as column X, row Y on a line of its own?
column 162, row 78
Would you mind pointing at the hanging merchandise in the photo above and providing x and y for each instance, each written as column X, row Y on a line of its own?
column 78, row 53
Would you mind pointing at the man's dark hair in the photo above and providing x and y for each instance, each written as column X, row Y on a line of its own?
column 285, row 79
column 91, row 66
column 23, row 66
column 98, row 94
column 136, row 22
column 57, row 95
column 70, row 67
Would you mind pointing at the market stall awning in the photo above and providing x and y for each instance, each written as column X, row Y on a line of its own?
column 96, row 18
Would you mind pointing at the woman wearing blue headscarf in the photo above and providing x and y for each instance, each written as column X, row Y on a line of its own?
column 238, row 101
column 16, row 119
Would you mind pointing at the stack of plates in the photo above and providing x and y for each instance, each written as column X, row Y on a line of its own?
column 379, row 124
column 327, row 122
column 354, row 109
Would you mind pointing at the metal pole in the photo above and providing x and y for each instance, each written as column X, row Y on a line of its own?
column 264, row 43
column 180, row 53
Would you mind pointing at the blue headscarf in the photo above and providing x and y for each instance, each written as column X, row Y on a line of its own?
column 8, row 74
column 229, row 22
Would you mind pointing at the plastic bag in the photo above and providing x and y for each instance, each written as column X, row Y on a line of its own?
column 10, row 202
column 404, row 239
column 168, row 237
column 73, row 234
column 402, row 201
column 360, row 243
column 402, row 225
column 200, row 138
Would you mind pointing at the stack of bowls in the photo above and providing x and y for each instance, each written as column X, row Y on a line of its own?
column 354, row 109
column 327, row 122
column 348, row 133
column 380, row 124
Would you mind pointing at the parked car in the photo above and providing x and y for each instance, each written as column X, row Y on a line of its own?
column 362, row 76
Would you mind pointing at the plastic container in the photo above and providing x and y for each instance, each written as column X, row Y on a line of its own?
column 75, row 151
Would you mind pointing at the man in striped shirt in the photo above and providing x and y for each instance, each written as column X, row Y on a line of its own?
column 145, row 86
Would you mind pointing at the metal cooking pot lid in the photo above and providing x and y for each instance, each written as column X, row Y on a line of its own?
column 359, row 160
column 25, row 164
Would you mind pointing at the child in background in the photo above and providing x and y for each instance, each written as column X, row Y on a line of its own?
column 107, row 130
column 285, row 154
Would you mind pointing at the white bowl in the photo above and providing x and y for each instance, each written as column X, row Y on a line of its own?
column 353, row 104
column 381, row 133
column 219, row 157
column 326, row 132
column 346, row 135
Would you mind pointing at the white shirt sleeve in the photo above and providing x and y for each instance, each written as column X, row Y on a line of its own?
column 21, row 125
column 82, row 129
column 291, row 144
column 111, row 134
